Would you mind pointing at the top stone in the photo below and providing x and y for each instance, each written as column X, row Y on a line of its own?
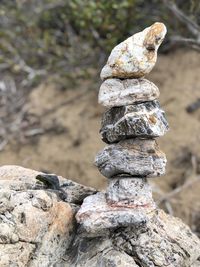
column 137, row 55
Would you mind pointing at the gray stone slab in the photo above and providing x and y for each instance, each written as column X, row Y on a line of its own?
column 140, row 120
column 131, row 157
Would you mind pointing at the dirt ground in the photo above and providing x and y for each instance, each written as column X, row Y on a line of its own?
column 70, row 150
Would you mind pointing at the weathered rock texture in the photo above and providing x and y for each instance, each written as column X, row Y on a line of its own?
column 133, row 157
column 117, row 92
column 136, row 56
column 98, row 252
column 141, row 120
column 163, row 243
column 97, row 216
column 38, row 228
column 129, row 192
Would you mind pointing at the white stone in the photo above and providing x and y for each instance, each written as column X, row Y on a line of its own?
column 36, row 226
column 116, row 92
column 137, row 55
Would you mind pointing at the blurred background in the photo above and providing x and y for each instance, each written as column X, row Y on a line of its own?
column 51, row 54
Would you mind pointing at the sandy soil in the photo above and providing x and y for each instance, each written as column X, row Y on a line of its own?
column 70, row 150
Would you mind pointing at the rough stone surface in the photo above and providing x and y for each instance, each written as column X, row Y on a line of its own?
column 36, row 227
column 133, row 157
column 18, row 178
column 162, row 241
column 97, row 252
column 117, row 92
column 196, row 264
column 129, row 191
column 137, row 55
column 96, row 216
column 167, row 241
column 142, row 120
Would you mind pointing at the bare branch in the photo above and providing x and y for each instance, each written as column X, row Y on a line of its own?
column 185, row 40
column 195, row 44
column 179, row 189
column 192, row 26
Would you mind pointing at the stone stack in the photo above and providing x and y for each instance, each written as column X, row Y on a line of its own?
column 130, row 126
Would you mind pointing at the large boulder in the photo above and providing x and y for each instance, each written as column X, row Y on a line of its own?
column 38, row 228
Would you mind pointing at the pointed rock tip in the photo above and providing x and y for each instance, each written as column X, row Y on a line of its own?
column 136, row 56
column 155, row 35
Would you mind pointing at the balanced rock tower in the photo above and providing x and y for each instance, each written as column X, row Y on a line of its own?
column 122, row 226
column 130, row 127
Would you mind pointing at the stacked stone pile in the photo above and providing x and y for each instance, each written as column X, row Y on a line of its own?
column 130, row 126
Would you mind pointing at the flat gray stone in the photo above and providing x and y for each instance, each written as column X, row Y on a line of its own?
column 96, row 216
column 133, row 192
column 142, row 120
column 131, row 157
column 117, row 92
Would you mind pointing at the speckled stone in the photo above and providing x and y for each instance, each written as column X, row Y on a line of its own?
column 129, row 191
column 137, row 55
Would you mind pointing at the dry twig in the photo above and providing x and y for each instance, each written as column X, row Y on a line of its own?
column 178, row 189
column 191, row 25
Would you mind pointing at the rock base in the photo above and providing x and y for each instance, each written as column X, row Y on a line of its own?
column 164, row 241
column 97, row 216
column 38, row 228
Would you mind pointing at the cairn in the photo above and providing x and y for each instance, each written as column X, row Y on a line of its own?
column 130, row 126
